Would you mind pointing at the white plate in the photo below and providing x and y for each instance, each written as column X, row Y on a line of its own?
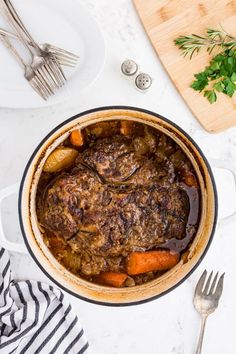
column 65, row 23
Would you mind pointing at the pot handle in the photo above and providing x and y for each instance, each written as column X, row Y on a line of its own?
column 230, row 166
column 4, row 242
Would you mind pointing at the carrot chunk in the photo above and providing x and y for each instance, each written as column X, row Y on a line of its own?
column 76, row 138
column 139, row 262
column 113, row 278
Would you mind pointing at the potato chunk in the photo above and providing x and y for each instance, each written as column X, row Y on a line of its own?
column 60, row 158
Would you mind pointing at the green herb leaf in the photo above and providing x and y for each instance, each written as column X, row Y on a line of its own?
column 230, row 88
column 201, row 81
column 233, row 77
column 213, row 39
column 220, row 74
column 210, row 95
column 219, row 86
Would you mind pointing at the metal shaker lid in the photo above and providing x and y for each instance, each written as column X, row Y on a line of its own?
column 143, row 81
column 129, row 67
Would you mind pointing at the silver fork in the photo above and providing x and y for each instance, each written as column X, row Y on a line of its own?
column 41, row 60
column 43, row 64
column 63, row 56
column 29, row 74
column 206, row 299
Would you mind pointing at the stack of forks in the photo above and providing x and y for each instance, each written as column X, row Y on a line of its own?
column 44, row 73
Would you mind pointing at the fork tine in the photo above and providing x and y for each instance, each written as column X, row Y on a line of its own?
column 66, row 60
column 64, row 56
column 59, row 69
column 37, row 88
column 41, row 87
column 219, row 286
column 63, row 51
column 66, row 63
column 59, row 57
column 50, row 79
column 206, row 288
column 49, row 76
column 43, row 82
column 201, row 281
column 54, row 68
column 212, row 288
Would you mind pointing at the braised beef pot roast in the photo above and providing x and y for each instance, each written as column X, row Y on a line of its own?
column 130, row 191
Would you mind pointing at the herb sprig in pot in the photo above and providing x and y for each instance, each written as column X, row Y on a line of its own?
column 220, row 75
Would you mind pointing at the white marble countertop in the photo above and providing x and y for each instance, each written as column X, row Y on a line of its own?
column 169, row 324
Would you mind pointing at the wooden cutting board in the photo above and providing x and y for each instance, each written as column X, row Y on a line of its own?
column 164, row 20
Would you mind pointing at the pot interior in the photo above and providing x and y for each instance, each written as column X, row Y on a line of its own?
column 90, row 291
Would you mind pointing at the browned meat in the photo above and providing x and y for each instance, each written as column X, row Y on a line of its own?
column 113, row 159
column 114, row 202
column 68, row 197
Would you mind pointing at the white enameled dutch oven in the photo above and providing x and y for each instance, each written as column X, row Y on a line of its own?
column 61, row 276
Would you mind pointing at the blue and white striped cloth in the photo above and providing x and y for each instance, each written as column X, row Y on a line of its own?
column 36, row 318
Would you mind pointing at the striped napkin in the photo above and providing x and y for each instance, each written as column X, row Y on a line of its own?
column 36, row 318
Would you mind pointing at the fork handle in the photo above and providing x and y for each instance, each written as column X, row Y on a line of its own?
column 200, row 340
column 19, row 22
column 13, row 50
column 15, row 24
column 11, row 35
column 8, row 34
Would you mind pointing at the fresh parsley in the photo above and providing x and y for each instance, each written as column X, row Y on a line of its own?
column 220, row 75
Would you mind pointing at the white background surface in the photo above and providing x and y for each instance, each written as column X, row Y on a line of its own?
column 170, row 324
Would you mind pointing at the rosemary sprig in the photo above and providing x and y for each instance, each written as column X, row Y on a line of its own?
column 220, row 75
column 214, row 38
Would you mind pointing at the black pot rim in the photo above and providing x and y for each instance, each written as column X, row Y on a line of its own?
column 21, row 217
